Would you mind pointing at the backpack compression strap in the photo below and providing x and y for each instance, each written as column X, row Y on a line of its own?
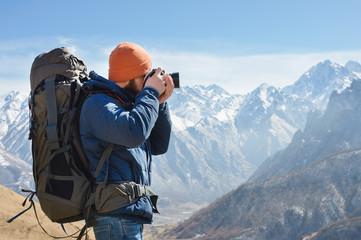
column 51, row 129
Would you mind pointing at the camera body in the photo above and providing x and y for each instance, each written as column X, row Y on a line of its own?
column 175, row 77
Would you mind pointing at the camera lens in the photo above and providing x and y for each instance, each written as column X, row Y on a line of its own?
column 175, row 77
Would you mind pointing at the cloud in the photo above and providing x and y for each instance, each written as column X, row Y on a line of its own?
column 242, row 74
column 236, row 74
column 16, row 58
column 68, row 43
column 15, row 72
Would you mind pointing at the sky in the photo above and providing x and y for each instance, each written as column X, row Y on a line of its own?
column 236, row 44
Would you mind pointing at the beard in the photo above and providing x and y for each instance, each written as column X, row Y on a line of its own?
column 131, row 87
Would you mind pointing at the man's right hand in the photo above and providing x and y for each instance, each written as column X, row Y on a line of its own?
column 157, row 81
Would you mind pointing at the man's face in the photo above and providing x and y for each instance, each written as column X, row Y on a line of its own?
column 135, row 86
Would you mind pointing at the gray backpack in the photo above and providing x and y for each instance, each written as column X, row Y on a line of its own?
column 59, row 164
column 63, row 183
column 66, row 189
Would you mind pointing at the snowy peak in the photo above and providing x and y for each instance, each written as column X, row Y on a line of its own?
column 348, row 100
column 213, row 90
column 11, row 103
column 354, row 67
column 261, row 103
column 265, row 94
column 189, row 105
column 198, row 95
column 11, row 107
column 317, row 84
column 323, row 75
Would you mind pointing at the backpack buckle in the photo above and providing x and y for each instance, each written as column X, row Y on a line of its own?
column 140, row 190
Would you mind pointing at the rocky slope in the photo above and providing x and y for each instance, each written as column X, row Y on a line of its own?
column 349, row 229
column 287, row 207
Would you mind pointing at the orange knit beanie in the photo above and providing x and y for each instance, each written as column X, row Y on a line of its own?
column 128, row 61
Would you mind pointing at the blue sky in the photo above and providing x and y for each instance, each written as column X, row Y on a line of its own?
column 235, row 44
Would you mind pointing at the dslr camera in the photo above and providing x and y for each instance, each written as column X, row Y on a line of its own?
column 175, row 77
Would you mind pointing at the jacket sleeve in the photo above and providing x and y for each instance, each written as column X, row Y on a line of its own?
column 160, row 135
column 102, row 118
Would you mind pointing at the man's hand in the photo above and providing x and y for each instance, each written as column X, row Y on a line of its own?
column 169, row 86
column 162, row 83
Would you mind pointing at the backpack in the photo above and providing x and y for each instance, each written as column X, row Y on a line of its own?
column 66, row 189
column 63, row 183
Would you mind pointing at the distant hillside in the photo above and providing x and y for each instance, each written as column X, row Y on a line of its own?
column 345, row 229
column 26, row 227
column 284, row 208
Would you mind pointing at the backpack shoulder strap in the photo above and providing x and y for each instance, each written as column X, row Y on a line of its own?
column 105, row 157
column 88, row 208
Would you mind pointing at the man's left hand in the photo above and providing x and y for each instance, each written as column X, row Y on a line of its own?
column 169, row 86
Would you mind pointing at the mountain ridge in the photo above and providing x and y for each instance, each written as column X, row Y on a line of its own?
column 218, row 139
column 335, row 125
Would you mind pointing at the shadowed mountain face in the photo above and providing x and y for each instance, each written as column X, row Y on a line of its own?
column 287, row 207
column 336, row 130
column 348, row 229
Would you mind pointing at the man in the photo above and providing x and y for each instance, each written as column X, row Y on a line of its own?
column 137, row 122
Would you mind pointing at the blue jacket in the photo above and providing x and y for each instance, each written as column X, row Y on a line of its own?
column 137, row 134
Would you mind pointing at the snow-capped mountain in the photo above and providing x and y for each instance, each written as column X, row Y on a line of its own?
column 320, row 81
column 268, row 117
column 11, row 107
column 218, row 138
column 354, row 67
column 190, row 105
column 16, row 120
column 204, row 157
column 266, row 121
column 15, row 162
column 15, row 173
column 325, row 134
column 312, row 184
